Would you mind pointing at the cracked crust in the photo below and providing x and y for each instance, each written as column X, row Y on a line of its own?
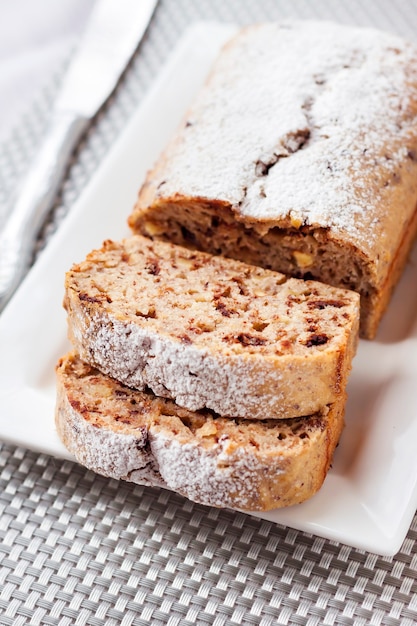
column 300, row 155
column 136, row 436
column 211, row 332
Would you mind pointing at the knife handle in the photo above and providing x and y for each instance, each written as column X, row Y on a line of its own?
column 38, row 191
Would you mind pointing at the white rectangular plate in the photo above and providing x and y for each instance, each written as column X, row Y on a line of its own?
column 370, row 495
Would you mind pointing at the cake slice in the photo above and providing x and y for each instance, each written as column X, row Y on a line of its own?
column 300, row 155
column 210, row 332
column 136, row 436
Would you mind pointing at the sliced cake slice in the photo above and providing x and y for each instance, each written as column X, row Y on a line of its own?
column 210, row 332
column 223, row 462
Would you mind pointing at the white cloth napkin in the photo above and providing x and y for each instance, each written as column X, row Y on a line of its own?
column 35, row 38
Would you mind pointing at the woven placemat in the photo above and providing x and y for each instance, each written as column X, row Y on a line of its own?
column 79, row 549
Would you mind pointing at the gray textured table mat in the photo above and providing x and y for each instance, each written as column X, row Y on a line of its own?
column 79, row 549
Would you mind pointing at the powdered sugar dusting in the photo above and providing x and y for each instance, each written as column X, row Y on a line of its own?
column 200, row 475
column 110, row 453
column 296, row 121
column 191, row 376
column 196, row 379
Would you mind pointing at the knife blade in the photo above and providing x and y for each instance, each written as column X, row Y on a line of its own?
column 114, row 31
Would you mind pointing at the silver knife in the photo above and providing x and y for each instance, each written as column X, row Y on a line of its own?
column 113, row 32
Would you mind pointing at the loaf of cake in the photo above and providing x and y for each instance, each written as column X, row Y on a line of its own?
column 222, row 462
column 299, row 155
column 211, row 332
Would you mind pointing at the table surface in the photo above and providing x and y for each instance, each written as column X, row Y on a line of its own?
column 80, row 549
